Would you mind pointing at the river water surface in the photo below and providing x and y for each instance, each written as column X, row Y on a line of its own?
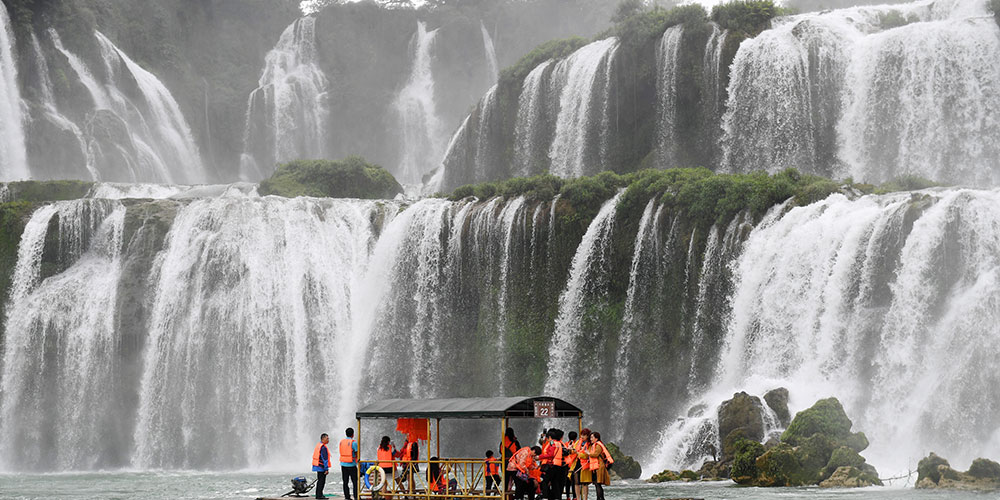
column 250, row 485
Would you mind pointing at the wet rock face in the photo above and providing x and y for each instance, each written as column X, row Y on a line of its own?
column 743, row 415
column 625, row 466
column 934, row 472
column 777, row 401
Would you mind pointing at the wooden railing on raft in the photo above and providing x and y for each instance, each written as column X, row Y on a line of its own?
column 468, row 475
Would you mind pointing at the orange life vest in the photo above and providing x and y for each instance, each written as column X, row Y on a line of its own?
column 316, row 455
column 510, row 446
column 570, row 459
column 581, row 449
column 599, row 451
column 556, row 456
column 384, row 457
column 346, row 451
column 492, row 467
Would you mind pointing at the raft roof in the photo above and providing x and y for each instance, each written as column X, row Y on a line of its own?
column 509, row 407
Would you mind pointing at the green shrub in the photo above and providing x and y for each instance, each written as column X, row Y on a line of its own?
column 351, row 177
column 553, row 49
column 749, row 17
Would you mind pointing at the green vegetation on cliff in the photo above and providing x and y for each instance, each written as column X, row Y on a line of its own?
column 39, row 191
column 351, row 177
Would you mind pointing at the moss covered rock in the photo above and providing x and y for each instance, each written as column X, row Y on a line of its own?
column 664, row 476
column 780, row 466
column 850, row 477
column 826, row 417
column 777, row 401
column 625, row 466
column 744, row 468
column 934, row 472
column 743, row 415
column 39, row 191
column 352, row 177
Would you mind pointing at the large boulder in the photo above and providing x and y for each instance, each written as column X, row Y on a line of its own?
column 777, row 401
column 850, row 477
column 826, row 417
column 743, row 414
column 818, row 447
column 934, row 472
column 625, row 466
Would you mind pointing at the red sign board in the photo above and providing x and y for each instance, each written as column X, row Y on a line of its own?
column 545, row 409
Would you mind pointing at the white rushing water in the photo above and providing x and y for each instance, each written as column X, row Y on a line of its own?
column 667, row 54
column 422, row 133
column 169, row 129
column 52, row 113
column 565, row 376
column 287, row 113
column 491, row 52
column 529, row 148
column 63, row 401
column 584, row 80
column 870, row 92
column 13, row 154
column 132, row 138
column 888, row 303
column 276, row 316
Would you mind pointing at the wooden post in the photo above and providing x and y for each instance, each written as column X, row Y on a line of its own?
column 427, row 468
column 579, row 424
column 503, row 459
column 358, row 483
column 437, row 436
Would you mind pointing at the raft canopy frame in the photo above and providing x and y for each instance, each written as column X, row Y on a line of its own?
column 502, row 408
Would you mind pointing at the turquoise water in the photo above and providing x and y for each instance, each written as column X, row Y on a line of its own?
column 250, row 485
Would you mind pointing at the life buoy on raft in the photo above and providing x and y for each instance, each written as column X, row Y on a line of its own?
column 374, row 478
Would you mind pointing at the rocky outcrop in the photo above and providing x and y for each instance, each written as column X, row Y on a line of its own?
column 934, row 472
column 817, row 448
column 777, row 401
column 625, row 466
column 741, row 417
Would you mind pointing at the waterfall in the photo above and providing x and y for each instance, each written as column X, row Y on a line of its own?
column 13, row 154
column 415, row 108
column 473, row 155
column 52, row 113
column 68, row 318
column 870, row 92
column 287, row 113
column 667, row 55
column 277, row 316
column 530, row 137
column 566, row 379
column 491, row 53
column 169, row 131
column 581, row 133
column 922, row 100
column 143, row 138
column 644, row 239
column 713, row 94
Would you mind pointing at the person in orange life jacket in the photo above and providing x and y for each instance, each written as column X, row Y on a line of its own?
column 524, row 467
column 583, row 463
column 410, row 453
column 600, row 462
column 571, row 464
column 385, row 454
column 321, row 463
column 508, row 448
column 491, row 471
column 437, row 481
column 349, row 463
column 553, row 465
